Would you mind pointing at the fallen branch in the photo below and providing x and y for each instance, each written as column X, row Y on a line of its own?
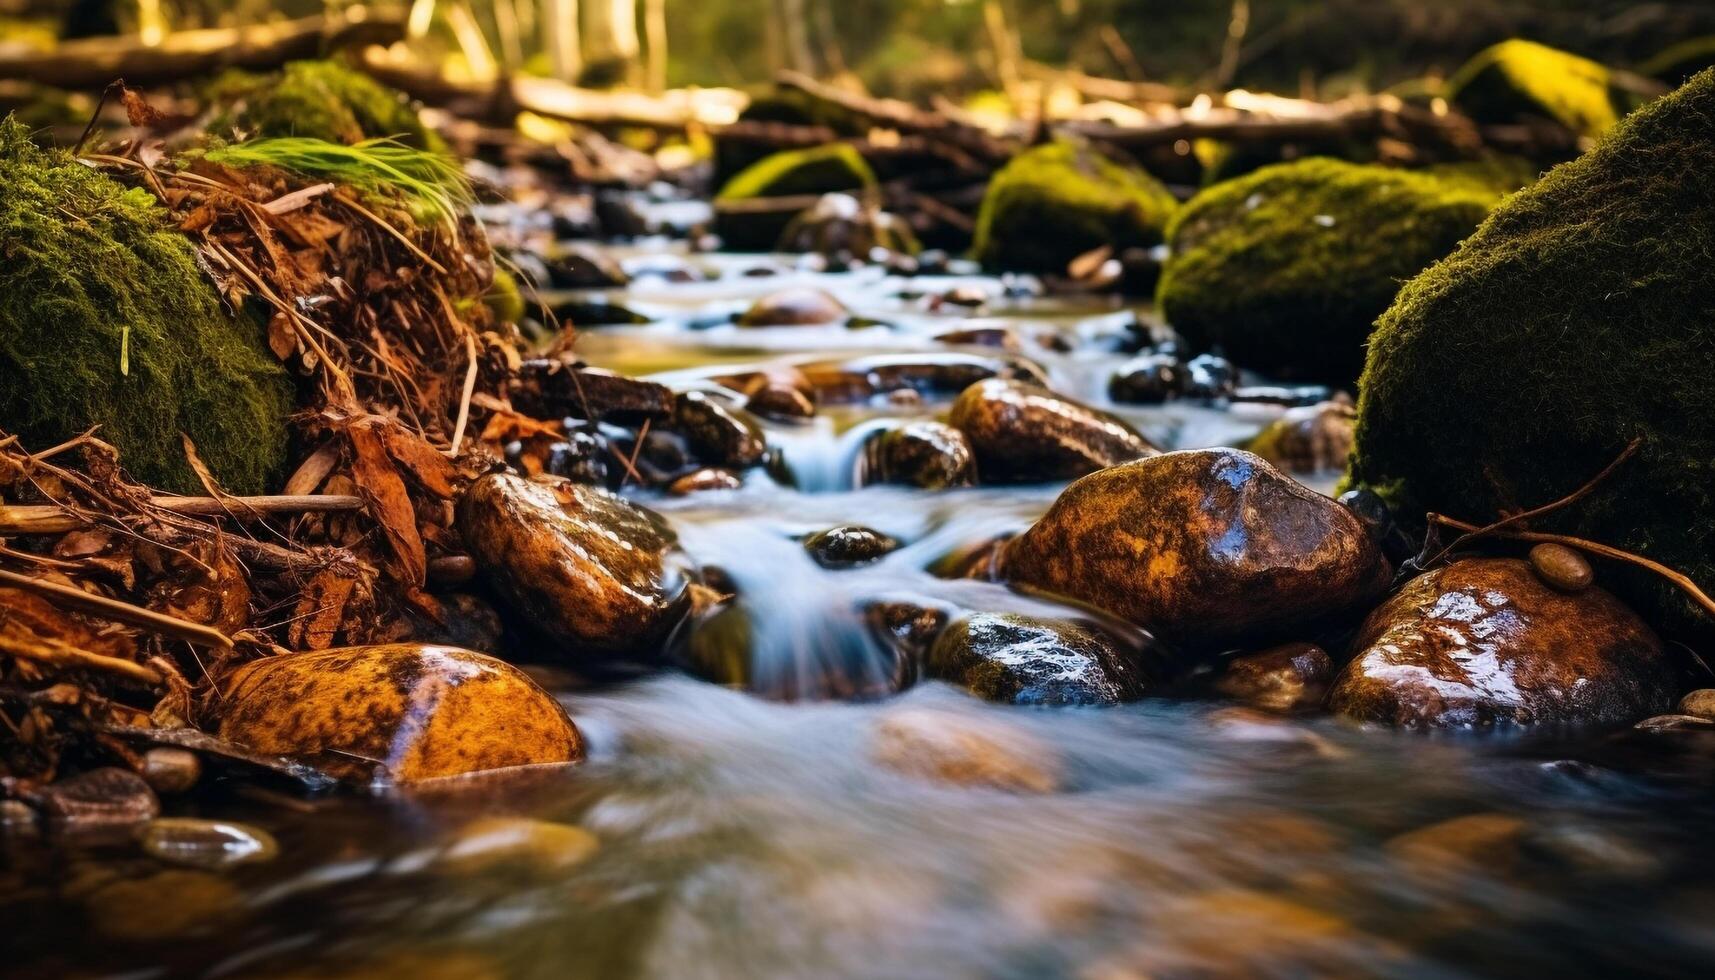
column 904, row 117
column 52, row 519
column 123, row 612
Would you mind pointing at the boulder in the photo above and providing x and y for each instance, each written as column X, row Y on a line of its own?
column 1202, row 547
column 1574, row 321
column 1485, row 642
column 1025, row 660
column 1055, row 202
column 413, row 712
column 789, row 173
column 584, row 567
column 925, row 454
column 1520, row 79
column 1021, row 432
column 1286, row 269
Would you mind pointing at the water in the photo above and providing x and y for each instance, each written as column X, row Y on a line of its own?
column 743, row 836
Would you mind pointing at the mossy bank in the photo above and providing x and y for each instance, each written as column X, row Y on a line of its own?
column 1575, row 320
column 106, row 320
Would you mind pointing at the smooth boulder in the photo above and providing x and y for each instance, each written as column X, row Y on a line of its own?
column 1022, row 432
column 584, row 567
column 408, row 712
column 1485, row 642
column 1205, row 548
column 924, row 454
column 1026, row 660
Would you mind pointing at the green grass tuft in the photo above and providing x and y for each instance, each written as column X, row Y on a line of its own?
column 433, row 184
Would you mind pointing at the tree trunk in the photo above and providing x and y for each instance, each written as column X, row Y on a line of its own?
column 563, row 39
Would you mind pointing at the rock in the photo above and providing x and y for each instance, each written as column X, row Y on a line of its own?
column 1562, row 567
column 1288, row 678
column 1210, row 378
column 1024, row 660
column 541, row 847
column 576, row 265
column 586, row 568
column 581, row 457
column 745, row 221
column 1055, row 202
column 840, row 224
column 1148, row 380
column 908, row 628
column 208, row 844
column 719, row 434
column 170, row 770
column 848, row 545
column 698, row 481
column 416, row 712
column 928, row 455
column 325, row 100
column 97, row 800
column 550, row 388
column 796, row 307
column 956, row 749
column 785, row 403
column 1699, row 704
column 1286, row 269
column 1202, row 547
column 1480, row 842
column 998, row 337
column 1517, row 79
column 1312, row 439
column 1024, row 433
column 169, row 905
column 1484, row 642
column 1588, row 288
column 940, row 375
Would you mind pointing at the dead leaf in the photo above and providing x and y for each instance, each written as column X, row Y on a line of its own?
column 379, row 482
column 138, row 110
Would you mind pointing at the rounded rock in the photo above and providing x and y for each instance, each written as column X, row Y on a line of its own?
column 542, row 847
column 208, row 844
column 1148, row 380
column 719, row 434
column 797, row 307
column 170, row 770
column 928, row 455
column 698, row 481
column 1025, row 660
column 1699, row 703
column 1024, row 433
column 1562, row 567
column 1288, row 678
column 849, row 545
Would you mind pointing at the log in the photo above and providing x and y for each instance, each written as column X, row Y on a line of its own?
column 50, row 519
column 92, row 63
column 904, row 117
column 1356, row 119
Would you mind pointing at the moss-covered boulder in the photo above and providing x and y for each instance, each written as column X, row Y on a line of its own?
column 1050, row 204
column 1286, row 269
column 105, row 319
column 746, row 227
column 1576, row 319
column 1519, row 78
column 320, row 99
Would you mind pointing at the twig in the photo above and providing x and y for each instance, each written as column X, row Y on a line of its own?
column 465, row 396
column 123, row 612
column 49, row 650
column 54, row 519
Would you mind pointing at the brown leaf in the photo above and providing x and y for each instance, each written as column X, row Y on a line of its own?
column 282, row 339
column 430, row 468
column 379, row 482
column 138, row 110
column 321, row 610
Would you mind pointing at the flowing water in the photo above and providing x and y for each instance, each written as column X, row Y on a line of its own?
column 749, row 836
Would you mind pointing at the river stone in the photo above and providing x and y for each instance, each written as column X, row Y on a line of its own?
column 419, row 712
column 925, row 454
column 97, row 800
column 585, row 567
column 1203, row 547
column 943, row 374
column 797, row 307
column 956, row 749
column 208, row 844
column 849, row 545
column 1287, row 678
column 1699, row 704
column 1485, row 642
column 1024, row 433
column 1025, row 660
column 541, row 847
column 719, row 434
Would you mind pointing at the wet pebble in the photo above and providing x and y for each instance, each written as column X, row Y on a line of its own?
column 207, row 844
column 1148, row 380
column 97, row 800
column 927, row 455
column 698, row 481
column 580, row 457
column 782, row 403
column 958, row 749
column 1210, row 377
column 542, row 847
column 171, row 770
column 1024, row 433
column 796, row 307
column 1015, row 659
column 719, row 434
column 848, row 545
column 1561, row 567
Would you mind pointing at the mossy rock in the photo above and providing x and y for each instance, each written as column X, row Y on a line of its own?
column 786, row 106
column 1676, row 63
column 1523, row 78
column 106, row 319
column 1287, row 269
column 320, row 99
column 1050, row 204
column 1575, row 320
column 1500, row 173
column 791, row 173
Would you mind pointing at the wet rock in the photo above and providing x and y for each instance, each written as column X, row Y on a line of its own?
column 416, row 712
column 729, row 648
column 1518, row 79
column 1204, row 547
column 698, row 481
column 1000, row 338
column 1286, row 396
column 170, row 770
column 207, row 844
column 1369, row 507
column 550, row 388
column 581, row 457
column 968, row 296
column 1210, row 378
column 575, row 266
column 1024, row 660
column 840, row 224
column 585, row 567
column 940, row 375
column 785, row 403
column 1312, row 439
column 101, row 799
column 928, row 455
column 541, row 847
column 1561, row 567
column 1699, row 703
column 848, row 545
column 1023, row 433
column 1488, row 842
column 466, row 621
column 797, row 307
column 166, row 906
column 908, row 628
column 719, row 434
column 1288, row 678
column 1484, row 642
column 1149, row 380
column 957, row 749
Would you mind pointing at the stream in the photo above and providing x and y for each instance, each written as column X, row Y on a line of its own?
column 763, row 834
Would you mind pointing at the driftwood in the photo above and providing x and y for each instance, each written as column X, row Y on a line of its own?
column 94, row 62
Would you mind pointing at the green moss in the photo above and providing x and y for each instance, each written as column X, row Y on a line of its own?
column 1522, row 78
column 106, row 319
column 503, row 298
column 1050, row 204
column 1286, row 270
column 1676, row 63
column 1501, row 173
column 1575, row 319
column 321, row 100
column 817, row 170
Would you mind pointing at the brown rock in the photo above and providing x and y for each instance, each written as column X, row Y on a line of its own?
column 959, row 750
column 416, row 712
column 697, row 481
column 1024, row 433
column 1675, row 723
column 1562, row 567
column 1484, row 641
column 170, row 770
column 849, row 545
column 798, row 307
column 551, row 388
column 719, row 434
column 1310, row 439
column 1204, row 548
column 1288, row 678
column 937, row 375
column 582, row 565
column 782, row 402
column 97, row 800
column 1699, row 703
column 1024, row 660
column 929, row 455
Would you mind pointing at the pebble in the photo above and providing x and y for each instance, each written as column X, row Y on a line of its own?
column 171, row 770
column 1561, row 567
column 848, row 545
column 1148, row 380
column 697, row 481
column 207, row 844
column 537, row 845
column 1675, row 723
column 1699, row 703
column 100, row 798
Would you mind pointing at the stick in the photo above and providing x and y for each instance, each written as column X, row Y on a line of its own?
column 49, row 650
column 52, row 519
column 465, row 396
column 123, row 612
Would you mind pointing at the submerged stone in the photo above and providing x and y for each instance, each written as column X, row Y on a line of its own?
column 1484, row 642
column 589, row 569
column 1024, row 433
column 1574, row 321
column 1202, row 547
column 1055, row 202
column 1286, row 269
column 541, row 847
column 956, row 749
column 1025, row 660
column 209, row 844
column 414, row 712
